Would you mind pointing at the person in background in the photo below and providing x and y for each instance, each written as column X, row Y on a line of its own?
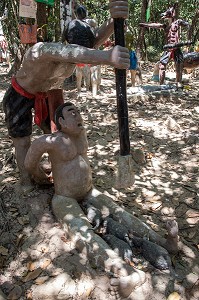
column 134, row 69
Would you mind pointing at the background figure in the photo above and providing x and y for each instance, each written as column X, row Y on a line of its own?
column 174, row 52
column 4, row 52
column 155, row 76
column 134, row 68
column 82, row 31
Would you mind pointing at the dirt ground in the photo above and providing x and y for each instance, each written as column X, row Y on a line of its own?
column 38, row 261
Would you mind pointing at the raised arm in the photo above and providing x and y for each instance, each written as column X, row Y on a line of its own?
column 118, row 9
column 153, row 25
column 183, row 23
column 55, row 52
column 33, row 158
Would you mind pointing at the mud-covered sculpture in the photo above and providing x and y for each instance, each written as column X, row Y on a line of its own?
column 67, row 149
column 94, row 216
column 71, row 172
column 155, row 254
column 120, row 247
column 39, row 81
column 172, row 49
column 118, row 230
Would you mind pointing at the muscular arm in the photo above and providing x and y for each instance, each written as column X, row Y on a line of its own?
column 33, row 158
column 103, row 33
column 153, row 25
column 55, row 52
column 183, row 23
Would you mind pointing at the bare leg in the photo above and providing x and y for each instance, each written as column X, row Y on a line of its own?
column 133, row 75
column 179, row 68
column 79, row 79
column 139, row 76
column 162, row 70
column 68, row 211
column 87, row 76
column 22, row 145
column 95, row 79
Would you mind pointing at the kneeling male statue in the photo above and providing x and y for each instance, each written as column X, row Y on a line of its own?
column 71, row 172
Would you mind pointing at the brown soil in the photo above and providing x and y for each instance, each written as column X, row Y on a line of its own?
column 37, row 260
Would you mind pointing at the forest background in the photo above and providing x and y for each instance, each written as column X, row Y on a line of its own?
column 147, row 42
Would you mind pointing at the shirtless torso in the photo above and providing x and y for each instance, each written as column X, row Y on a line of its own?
column 172, row 33
column 67, row 151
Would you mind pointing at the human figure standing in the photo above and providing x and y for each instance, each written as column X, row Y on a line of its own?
column 129, row 39
column 174, row 51
column 38, row 83
column 82, row 31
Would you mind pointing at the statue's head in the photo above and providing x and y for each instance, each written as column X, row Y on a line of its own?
column 170, row 12
column 68, row 119
column 81, row 12
column 79, row 31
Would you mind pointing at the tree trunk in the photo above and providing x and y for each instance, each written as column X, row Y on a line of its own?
column 193, row 26
column 140, row 44
column 42, row 19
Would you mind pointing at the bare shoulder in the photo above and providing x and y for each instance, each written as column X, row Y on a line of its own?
column 42, row 49
column 44, row 142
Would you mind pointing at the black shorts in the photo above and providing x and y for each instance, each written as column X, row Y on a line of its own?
column 18, row 113
column 177, row 56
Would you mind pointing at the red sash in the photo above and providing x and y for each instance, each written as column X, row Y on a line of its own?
column 40, row 106
column 81, row 65
column 54, row 98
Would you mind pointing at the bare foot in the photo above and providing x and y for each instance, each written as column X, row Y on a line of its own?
column 172, row 237
column 125, row 285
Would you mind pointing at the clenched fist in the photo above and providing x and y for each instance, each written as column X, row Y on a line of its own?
column 119, row 8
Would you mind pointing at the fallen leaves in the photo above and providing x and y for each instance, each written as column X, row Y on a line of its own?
column 3, row 251
column 174, row 296
column 23, row 220
column 32, row 275
column 35, row 269
column 43, row 264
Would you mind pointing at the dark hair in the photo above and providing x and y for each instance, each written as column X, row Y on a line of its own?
column 79, row 33
column 81, row 12
column 59, row 113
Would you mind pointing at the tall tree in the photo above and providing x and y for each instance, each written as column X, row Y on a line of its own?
column 140, row 41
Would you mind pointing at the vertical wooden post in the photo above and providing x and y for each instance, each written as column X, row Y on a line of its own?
column 122, row 107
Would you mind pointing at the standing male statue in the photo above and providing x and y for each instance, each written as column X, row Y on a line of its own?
column 173, row 51
column 39, row 81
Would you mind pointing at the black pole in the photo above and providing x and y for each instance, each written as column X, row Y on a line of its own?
column 122, row 107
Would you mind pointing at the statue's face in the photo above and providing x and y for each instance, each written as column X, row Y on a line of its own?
column 72, row 122
column 168, row 14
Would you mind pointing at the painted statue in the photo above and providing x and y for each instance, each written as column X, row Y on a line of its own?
column 172, row 49
column 38, row 83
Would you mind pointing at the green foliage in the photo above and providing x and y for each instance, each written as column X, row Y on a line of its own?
column 10, row 25
column 153, row 53
column 99, row 10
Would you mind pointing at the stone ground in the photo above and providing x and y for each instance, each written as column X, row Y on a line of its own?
column 38, row 261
